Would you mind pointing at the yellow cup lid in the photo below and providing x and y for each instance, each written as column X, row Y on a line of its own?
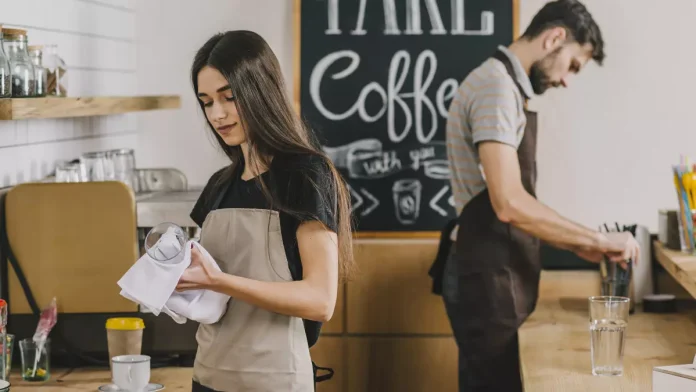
column 125, row 323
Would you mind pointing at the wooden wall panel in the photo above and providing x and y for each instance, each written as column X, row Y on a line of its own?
column 388, row 364
column 330, row 352
column 391, row 293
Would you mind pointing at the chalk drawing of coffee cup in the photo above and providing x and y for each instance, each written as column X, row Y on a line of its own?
column 407, row 197
column 353, row 157
column 437, row 169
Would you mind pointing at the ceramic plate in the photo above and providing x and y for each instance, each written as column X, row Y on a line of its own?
column 4, row 386
column 149, row 388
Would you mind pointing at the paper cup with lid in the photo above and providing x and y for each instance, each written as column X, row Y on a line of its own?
column 124, row 336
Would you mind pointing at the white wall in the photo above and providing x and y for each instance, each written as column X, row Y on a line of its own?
column 96, row 38
column 606, row 143
column 169, row 34
column 97, row 41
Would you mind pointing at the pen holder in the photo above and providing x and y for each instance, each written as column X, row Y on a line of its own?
column 615, row 279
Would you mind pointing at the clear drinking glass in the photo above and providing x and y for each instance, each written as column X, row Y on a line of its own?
column 608, row 323
column 123, row 163
column 68, row 172
column 165, row 242
column 35, row 360
column 96, row 166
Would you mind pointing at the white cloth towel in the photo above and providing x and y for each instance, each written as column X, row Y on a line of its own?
column 152, row 283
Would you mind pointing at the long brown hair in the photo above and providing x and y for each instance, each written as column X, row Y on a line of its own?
column 252, row 70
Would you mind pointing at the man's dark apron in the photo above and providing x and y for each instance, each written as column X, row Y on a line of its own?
column 497, row 271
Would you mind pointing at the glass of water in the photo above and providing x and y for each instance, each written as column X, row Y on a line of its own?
column 608, row 322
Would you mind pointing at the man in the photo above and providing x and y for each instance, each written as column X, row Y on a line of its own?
column 491, row 276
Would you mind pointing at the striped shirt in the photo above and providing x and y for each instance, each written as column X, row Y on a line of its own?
column 487, row 107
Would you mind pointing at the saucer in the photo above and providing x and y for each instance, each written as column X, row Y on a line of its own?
column 149, row 388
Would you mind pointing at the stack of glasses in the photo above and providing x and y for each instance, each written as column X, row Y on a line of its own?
column 112, row 165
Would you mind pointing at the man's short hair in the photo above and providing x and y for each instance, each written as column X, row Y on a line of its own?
column 575, row 18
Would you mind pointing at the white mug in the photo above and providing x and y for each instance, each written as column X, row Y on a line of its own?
column 131, row 372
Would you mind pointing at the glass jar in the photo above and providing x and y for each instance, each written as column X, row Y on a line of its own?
column 23, row 77
column 5, row 74
column 57, row 78
column 36, row 55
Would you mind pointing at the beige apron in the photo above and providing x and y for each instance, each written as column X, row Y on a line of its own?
column 251, row 349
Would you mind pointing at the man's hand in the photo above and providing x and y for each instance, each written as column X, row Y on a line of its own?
column 618, row 247
column 590, row 255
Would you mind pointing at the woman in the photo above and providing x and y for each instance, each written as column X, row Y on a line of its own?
column 279, row 210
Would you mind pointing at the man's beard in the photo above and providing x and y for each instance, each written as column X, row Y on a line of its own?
column 540, row 80
column 539, row 76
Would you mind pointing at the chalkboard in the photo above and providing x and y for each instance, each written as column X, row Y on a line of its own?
column 375, row 82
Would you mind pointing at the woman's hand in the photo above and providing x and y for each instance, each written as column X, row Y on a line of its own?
column 199, row 275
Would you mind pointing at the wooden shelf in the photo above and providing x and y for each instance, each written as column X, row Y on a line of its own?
column 682, row 266
column 52, row 107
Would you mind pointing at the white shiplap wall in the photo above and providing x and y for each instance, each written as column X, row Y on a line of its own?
column 169, row 34
column 96, row 38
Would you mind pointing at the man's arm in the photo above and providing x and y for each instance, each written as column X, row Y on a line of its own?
column 513, row 204
column 492, row 117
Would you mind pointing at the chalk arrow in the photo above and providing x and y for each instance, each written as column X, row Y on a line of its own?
column 358, row 199
column 433, row 202
column 375, row 202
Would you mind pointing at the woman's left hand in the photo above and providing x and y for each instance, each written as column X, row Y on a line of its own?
column 199, row 275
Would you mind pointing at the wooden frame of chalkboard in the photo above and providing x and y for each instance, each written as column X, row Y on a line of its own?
column 297, row 99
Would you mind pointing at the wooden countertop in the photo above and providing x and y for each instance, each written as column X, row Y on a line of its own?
column 555, row 341
column 63, row 380
column 682, row 266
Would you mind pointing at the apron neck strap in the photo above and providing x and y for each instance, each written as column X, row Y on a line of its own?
column 503, row 58
column 221, row 194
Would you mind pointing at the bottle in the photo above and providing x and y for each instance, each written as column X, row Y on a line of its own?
column 5, row 74
column 36, row 55
column 21, row 67
column 57, row 78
